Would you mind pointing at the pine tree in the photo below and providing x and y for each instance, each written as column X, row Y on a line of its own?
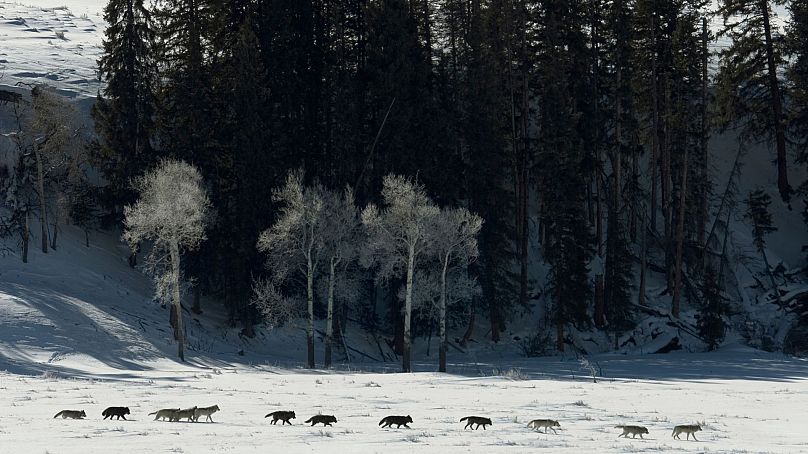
column 750, row 90
column 797, row 47
column 564, row 95
column 714, row 307
column 487, row 168
column 757, row 212
column 124, row 115
column 619, row 121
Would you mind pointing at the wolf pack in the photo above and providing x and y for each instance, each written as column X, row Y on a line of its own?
column 194, row 414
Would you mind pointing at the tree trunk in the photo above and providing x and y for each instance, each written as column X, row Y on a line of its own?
column 197, row 306
column 600, row 320
column 680, row 240
column 405, row 365
column 705, row 157
column 177, row 303
column 667, row 195
column 310, row 307
column 442, row 316
column 560, row 335
column 26, row 235
column 86, row 237
column 329, row 324
column 776, row 106
column 653, row 164
column 55, row 234
column 643, row 259
column 469, row 328
column 43, row 212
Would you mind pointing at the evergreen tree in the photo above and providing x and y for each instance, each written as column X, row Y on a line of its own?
column 620, row 122
column 757, row 212
column 714, row 307
column 797, row 40
column 124, row 116
column 563, row 130
column 750, row 90
column 487, row 168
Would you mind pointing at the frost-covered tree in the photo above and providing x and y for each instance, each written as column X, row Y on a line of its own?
column 49, row 133
column 454, row 243
column 172, row 212
column 399, row 237
column 295, row 243
column 342, row 227
column 276, row 307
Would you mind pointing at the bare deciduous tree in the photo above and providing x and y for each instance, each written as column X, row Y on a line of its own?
column 455, row 246
column 295, row 241
column 340, row 233
column 172, row 212
column 49, row 131
column 399, row 237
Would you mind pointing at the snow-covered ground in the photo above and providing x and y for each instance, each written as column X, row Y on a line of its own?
column 78, row 331
column 54, row 42
column 745, row 402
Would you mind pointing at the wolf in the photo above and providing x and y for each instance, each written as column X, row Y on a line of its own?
column 119, row 412
column 205, row 411
column 165, row 413
column 185, row 413
column 284, row 416
column 478, row 420
column 633, row 430
column 326, row 420
column 546, row 423
column 72, row 414
column 397, row 420
column 688, row 429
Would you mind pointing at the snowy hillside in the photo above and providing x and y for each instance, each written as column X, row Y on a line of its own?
column 52, row 42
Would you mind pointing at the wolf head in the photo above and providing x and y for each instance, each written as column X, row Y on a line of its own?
column 293, row 416
column 215, row 408
column 332, row 418
column 126, row 410
column 644, row 430
column 83, row 414
column 556, row 424
column 409, row 418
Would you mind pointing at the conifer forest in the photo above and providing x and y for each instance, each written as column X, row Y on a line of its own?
column 438, row 169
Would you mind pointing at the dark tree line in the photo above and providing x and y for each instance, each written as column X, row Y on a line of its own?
column 578, row 129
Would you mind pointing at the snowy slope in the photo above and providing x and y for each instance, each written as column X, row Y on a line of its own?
column 54, row 42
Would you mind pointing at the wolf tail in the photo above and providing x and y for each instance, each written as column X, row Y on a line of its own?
column 463, row 419
column 58, row 414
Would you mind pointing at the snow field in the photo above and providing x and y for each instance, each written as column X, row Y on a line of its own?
column 738, row 416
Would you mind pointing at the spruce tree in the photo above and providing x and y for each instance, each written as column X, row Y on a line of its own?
column 757, row 212
column 750, row 90
column 124, row 115
column 797, row 48
column 620, row 122
column 487, row 168
column 714, row 307
column 564, row 95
